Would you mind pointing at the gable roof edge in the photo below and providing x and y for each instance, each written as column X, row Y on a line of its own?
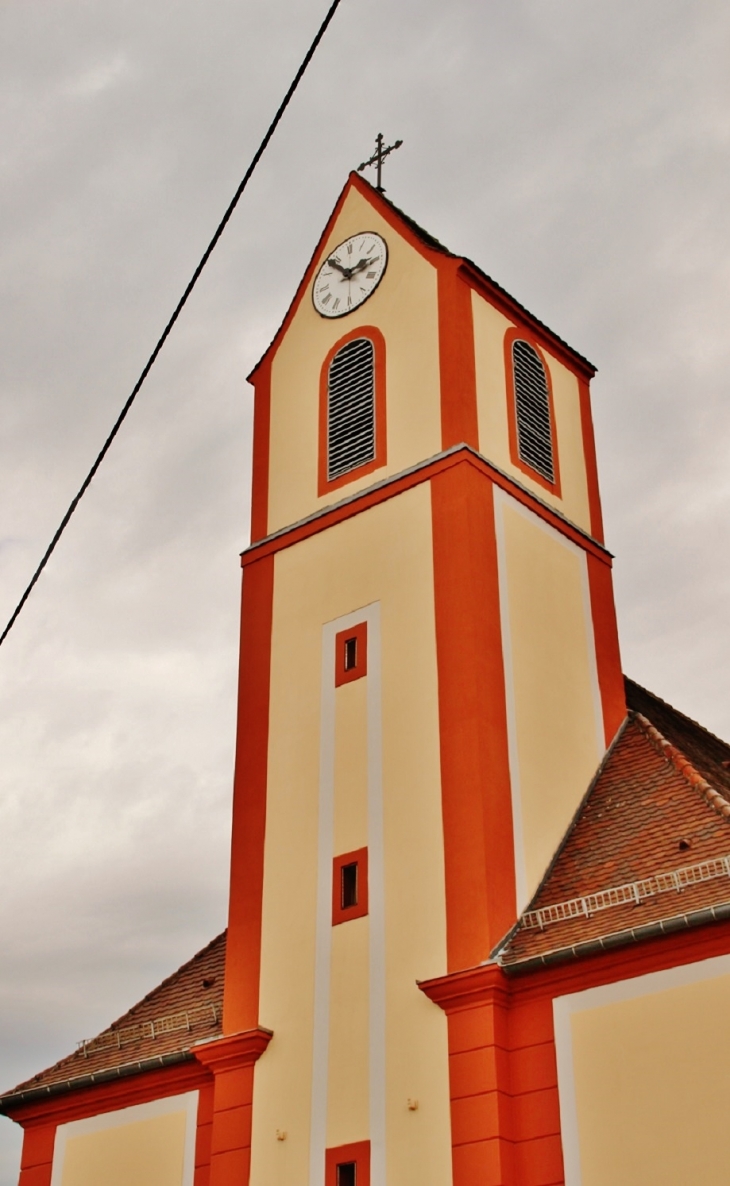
column 427, row 244
column 689, row 772
column 433, row 250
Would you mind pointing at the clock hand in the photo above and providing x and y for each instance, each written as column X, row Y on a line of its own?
column 360, row 267
column 346, row 272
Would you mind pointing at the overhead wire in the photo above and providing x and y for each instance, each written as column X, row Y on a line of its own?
column 176, row 313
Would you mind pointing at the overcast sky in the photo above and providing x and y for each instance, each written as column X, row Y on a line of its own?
column 578, row 151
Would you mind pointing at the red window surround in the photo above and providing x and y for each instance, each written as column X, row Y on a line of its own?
column 351, row 654
column 511, row 336
column 357, row 1154
column 380, row 458
column 344, row 878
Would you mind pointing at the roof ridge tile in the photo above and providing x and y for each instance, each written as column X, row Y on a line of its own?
column 683, row 765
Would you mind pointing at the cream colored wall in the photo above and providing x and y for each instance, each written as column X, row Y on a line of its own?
column 405, row 308
column 351, row 766
column 553, row 700
column 385, row 555
column 490, row 327
column 145, row 1145
column 652, row 1080
column 349, row 1035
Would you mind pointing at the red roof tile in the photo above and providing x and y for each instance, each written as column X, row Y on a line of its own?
column 184, row 1009
column 659, row 805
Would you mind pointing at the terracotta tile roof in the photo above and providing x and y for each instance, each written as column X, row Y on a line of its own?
column 184, row 1009
column 707, row 753
column 647, row 844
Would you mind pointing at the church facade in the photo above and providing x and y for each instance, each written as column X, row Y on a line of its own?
column 479, row 908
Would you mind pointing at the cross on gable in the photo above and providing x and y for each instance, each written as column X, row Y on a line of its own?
column 377, row 159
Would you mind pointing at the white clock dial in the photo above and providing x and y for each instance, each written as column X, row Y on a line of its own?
column 350, row 274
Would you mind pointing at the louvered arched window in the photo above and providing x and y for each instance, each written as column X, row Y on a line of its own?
column 352, row 409
column 533, row 414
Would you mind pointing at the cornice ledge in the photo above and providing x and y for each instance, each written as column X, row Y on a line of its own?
column 485, row 984
column 233, row 1051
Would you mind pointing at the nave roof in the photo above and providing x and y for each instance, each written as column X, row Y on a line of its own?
column 649, row 849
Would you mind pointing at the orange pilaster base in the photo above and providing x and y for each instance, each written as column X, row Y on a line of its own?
column 232, row 1060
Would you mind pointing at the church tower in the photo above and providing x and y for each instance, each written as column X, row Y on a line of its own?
column 479, row 926
column 429, row 679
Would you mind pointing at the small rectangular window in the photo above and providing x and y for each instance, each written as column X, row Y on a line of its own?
column 348, row 1165
column 351, row 654
column 350, row 886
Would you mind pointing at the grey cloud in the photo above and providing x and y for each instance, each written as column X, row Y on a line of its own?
column 578, row 152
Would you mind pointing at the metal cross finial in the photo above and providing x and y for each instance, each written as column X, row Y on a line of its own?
column 377, row 159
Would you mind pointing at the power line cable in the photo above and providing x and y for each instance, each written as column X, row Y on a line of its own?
column 178, row 310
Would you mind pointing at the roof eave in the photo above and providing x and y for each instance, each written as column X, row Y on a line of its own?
column 16, row 1099
column 605, row 943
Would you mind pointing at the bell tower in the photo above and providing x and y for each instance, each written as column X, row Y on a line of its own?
column 429, row 679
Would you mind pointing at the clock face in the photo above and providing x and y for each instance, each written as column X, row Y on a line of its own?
column 350, row 274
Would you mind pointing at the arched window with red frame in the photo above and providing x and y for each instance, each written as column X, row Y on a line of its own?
column 531, row 413
column 352, row 408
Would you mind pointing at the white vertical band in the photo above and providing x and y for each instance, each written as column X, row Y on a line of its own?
column 376, row 899
column 323, row 930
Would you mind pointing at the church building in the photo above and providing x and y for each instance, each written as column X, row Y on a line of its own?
column 479, row 922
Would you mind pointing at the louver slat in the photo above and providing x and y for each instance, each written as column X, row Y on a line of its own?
column 351, row 408
column 532, row 405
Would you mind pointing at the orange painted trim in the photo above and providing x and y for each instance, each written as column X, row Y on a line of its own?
column 485, row 984
column 261, row 447
column 36, row 1160
column 342, row 913
column 234, row 1051
column 512, row 336
column 438, row 256
column 398, row 222
column 475, row 775
column 232, row 1060
column 201, row 1176
column 358, row 1152
column 243, row 952
column 457, row 361
column 475, row 278
column 480, row 1079
column 304, row 283
column 111, row 1096
column 324, row 485
column 591, row 462
column 514, row 311
column 344, row 675
column 608, row 655
column 386, row 211
column 391, row 487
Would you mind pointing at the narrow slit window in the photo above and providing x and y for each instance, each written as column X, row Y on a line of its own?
column 351, row 653
column 351, row 408
column 347, row 1174
column 532, row 410
column 348, row 886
